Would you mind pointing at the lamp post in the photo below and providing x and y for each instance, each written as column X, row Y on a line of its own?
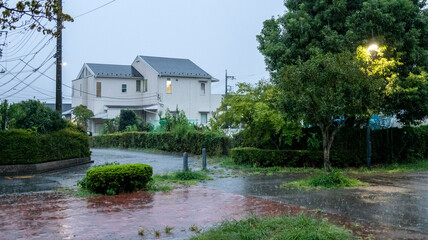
column 373, row 48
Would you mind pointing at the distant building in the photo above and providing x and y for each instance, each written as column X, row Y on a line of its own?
column 65, row 106
column 148, row 86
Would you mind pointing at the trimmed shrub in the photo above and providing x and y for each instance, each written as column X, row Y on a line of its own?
column 115, row 179
column 18, row 146
column 193, row 142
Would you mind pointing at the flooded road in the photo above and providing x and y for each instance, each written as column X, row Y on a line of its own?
column 393, row 206
column 66, row 178
column 399, row 200
column 58, row 216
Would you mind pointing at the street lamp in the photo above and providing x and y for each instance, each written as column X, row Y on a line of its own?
column 372, row 49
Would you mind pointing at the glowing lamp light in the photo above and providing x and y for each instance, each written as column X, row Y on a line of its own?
column 373, row 47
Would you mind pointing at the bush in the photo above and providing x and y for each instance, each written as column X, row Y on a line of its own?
column 115, row 179
column 215, row 143
column 33, row 114
column 18, row 146
column 127, row 118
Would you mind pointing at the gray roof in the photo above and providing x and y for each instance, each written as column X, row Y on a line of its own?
column 175, row 67
column 113, row 71
column 65, row 106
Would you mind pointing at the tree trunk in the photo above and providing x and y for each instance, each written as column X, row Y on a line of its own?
column 327, row 141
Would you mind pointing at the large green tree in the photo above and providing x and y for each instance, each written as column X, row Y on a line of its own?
column 82, row 114
column 31, row 14
column 326, row 91
column 311, row 27
column 257, row 110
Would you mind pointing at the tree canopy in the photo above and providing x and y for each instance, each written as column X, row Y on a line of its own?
column 326, row 91
column 313, row 27
column 82, row 114
column 257, row 109
column 31, row 14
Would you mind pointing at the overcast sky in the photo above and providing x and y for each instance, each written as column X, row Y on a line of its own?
column 216, row 35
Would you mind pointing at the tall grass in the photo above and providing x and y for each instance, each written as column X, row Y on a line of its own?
column 254, row 228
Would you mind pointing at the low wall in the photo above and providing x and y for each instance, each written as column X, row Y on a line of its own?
column 21, row 169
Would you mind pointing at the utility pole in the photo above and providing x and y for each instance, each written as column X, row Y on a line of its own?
column 58, row 100
column 226, row 78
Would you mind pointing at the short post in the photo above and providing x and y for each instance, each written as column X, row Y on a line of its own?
column 185, row 162
column 204, row 159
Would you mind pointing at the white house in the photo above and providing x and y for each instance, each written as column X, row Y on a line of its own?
column 148, row 86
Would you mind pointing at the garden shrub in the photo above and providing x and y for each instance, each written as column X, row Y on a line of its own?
column 216, row 144
column 19, row 146
column 33, row 114
column 115, row 179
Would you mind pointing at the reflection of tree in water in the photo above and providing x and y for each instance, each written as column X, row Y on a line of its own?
column 117, row 203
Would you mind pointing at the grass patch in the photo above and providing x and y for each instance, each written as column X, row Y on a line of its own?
column 167, row 182
column 414, row 166
column 334, row 179
column 299, row 227
column 227, row 162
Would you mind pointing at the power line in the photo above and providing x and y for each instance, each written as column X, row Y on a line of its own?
column 15, row 76
column 83, row 14
column 27, row 85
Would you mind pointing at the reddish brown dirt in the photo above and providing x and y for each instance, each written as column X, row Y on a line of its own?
column 59, row 216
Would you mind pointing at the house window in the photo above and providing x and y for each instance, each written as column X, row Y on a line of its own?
column 98, row 89
column 72, row 91
column 123, row 87
column 168, row 86
column 138, row 85
column 80, row 91
column 202, row 89
column 204, row 118
column 145, row 85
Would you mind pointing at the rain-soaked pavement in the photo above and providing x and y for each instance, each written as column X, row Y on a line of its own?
column 393, row 206
column 161, row 163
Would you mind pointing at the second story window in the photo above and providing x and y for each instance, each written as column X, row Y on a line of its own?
column 98, row 89
column 138, row 85
column 123, row 87
column 80, row 91
column 145, row 85
column 202, row 89
column 168, row 86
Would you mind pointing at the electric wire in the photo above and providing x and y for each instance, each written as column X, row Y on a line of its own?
column 85, row 13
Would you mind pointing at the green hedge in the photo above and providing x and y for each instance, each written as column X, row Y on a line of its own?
column 288, row 158
column 18, row 146
column 115, row 179
column 281, row 158
column 393, row 145
column 193, row 142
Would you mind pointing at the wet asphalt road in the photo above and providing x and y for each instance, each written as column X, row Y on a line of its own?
column 396, row 200
column 68, row 177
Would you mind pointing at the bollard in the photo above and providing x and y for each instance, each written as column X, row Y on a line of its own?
column 185, row 162
column 204, row 159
